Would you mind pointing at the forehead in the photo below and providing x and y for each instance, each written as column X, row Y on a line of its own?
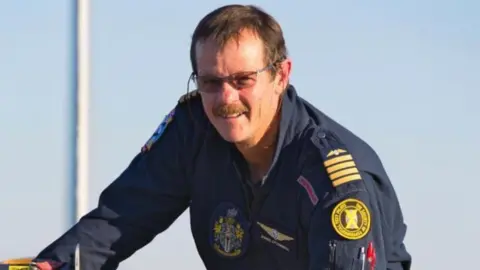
column 245, row 53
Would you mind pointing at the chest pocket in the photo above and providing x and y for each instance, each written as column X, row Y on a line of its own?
column 277, row 233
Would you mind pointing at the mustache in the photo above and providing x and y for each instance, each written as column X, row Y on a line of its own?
column 229, row 109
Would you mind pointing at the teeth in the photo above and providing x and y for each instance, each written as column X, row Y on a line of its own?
column 233, row 115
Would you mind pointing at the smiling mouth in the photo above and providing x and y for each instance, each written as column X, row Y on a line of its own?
column 232, row 116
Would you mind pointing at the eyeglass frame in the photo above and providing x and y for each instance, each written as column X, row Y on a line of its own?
column 229, row 79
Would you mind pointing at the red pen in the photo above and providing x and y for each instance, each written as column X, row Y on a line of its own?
column 371, row 256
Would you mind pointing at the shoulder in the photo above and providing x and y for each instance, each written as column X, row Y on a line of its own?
column 185, row 119
column 191, row 96
column 366, row 157
column 336, row 161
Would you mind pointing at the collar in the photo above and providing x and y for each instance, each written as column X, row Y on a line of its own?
column 291, row 123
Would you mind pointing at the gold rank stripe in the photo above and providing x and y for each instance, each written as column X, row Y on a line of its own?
column 344, row 172
column 343, row 165
column 336, row 160
column 342, row 169
column 346, row 179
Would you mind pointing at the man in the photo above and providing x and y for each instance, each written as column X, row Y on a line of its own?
column 270, row 181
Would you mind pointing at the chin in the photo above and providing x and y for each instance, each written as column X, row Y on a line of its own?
column 233, row 131
column 233, row 134
column 233, row 137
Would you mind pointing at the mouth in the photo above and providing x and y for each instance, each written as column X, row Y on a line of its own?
column 233, row 116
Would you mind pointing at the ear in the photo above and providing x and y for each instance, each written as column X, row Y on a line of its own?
column 283, row 75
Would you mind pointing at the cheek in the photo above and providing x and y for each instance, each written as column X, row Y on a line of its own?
column 254, row 104
column 208, row 104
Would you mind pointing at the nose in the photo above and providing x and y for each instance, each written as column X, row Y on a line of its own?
column 228, row 94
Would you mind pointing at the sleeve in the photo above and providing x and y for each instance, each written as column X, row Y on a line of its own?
column 358, row 223
column 149, row 195
column 346, row 232
column 398, row 258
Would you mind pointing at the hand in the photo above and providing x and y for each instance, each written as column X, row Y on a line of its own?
column 28, row 263
column 48, row 265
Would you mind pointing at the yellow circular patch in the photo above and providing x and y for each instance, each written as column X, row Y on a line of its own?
column 351, row 219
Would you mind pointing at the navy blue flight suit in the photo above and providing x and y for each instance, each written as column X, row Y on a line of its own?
column 326, row 201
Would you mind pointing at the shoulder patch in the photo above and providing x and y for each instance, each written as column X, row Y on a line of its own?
column 159, row 131
column 188, row 96
column 351, row 219
column 338, row 162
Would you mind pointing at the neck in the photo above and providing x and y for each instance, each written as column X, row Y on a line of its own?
column 259, row 151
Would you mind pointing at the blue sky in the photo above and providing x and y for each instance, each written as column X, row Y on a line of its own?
column 403, row 75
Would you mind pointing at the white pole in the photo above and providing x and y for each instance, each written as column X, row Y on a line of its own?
column 80, row 104
column 80, row 123
column 83, row 32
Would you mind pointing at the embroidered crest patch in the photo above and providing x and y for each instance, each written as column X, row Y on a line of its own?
column 351, row 219
column 229, row 236
column 158, row 133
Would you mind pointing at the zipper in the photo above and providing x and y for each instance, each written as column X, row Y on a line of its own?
column 247, row 196
column 331, row 260
column 253, row 196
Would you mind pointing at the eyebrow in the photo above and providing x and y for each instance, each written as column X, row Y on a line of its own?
column 245, row 72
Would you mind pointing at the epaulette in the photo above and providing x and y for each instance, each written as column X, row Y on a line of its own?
column 188, row 96
column 337, row 160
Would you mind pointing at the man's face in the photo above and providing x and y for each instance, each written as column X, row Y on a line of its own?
column 242, row 106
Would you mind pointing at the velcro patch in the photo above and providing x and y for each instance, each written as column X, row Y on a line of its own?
column 312, row 195
column 351, row 219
